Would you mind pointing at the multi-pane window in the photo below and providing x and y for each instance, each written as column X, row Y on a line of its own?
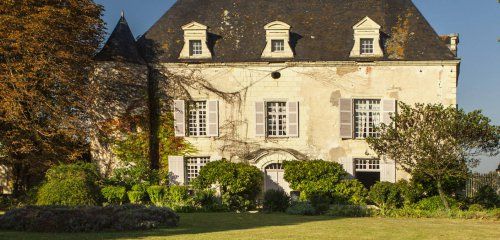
column 366, row 117
column 197, row 118
column 367, row 165
column 367, row 46
column 276, row 119
column 195, row 47
column 277, row 45
column 194, row 165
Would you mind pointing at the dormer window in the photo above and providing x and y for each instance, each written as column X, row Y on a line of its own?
column 195, row 47
column 195, row 42
column 277, row 41
column 367, row 39
column 278, row 45
column 366, row 46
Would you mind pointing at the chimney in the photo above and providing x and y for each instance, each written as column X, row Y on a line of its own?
column 454, row 40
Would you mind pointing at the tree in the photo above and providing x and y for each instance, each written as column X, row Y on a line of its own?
column 439, row 142
column 46, row 49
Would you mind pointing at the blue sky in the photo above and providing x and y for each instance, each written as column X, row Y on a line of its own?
column 477, row 22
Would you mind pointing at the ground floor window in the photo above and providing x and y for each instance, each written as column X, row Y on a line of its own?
column 194, row 165
column 367, row 171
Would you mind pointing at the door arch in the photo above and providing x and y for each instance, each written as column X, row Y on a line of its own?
column 272, row 167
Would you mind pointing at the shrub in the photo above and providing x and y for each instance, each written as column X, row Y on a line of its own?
column 434, row 204
column 135, row 197
column 239, row 183
column 487, row 197
column 87, row 219
column 320, row 202
column 178, row 198
column 351, row 192
column 206, row 200
column 276, row 201
column 301, row 208
column 139, row 193
column 386, row 195
column 70, row 185
column 156, row 194
column 411, row 192
column 114, row 194
column 476, row 207
column 349, row 211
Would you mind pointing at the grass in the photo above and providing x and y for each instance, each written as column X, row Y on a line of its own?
column 222, row 226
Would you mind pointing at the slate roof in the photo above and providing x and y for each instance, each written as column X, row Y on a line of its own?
column 121, row 45
column 321, row 29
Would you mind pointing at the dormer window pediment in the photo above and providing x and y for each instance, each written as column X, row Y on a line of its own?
column 367, row 39
column 195, row 42
column 277, row 41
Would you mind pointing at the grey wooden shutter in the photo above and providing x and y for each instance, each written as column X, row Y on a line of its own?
column 176, row 170
column 387, row 171
column 213, row 118
column 260, row 119
column 346, row 118
column 293, row 119
column 180, row 118
column 388, row 109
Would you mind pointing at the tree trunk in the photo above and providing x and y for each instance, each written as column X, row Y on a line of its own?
column 442, row 195
column 154, row 119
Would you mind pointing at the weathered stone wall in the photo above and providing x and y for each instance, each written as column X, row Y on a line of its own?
column 318, row 88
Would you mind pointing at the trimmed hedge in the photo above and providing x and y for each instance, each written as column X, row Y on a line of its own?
column 114, row 194
column 87, row 219
column 275, row 201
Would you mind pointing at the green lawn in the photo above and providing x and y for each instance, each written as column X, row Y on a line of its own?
column 219, row 226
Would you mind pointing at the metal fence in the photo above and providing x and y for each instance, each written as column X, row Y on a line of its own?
column 478, row 180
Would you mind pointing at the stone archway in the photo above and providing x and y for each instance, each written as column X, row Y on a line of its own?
column 271, row 165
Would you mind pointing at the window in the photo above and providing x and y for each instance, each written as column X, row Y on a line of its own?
column 195, row 47
column 366, row 46
column 366, row 117
column 367, row 165
column 194, row 165
column 277, row 45
column 367, row 171
column 276, row 119
column 197, row 118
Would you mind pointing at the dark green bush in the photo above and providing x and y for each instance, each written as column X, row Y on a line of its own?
column 386, row 195
column 70, row 185
column 239, row 183
column 435, row 204
column 207, row 201
column 114, row 194
column 276, row 201
column 301, row 208
column 411, row 192
column 87, row 219
column 139, row 193
column 476, row 207
column 320, row 202
column 178, row 199
column 487, row 197
column 350, row 192
column 349, row 211
column 156, row 194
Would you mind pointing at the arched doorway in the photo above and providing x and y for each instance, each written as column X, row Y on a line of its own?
column 274, row 173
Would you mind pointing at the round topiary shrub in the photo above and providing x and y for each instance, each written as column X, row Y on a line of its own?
column 70, row 185
column 87, row 218
column 386, row 195
column 275, row 201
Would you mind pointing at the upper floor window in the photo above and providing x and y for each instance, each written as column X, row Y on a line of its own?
column 195, row 47
column 367, row 39
column 197, row 118
column 366, row 117
column 366, row 46
column 195, row 42
column 193, row 167
column 278, row 45
column 276, row 119
column 277, row 41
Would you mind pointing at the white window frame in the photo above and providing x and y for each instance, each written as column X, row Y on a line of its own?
column 193, row 167
column 277, row 45
column 366, row 120
column 195, row 47
column 281, row 127
column 367, row 165
column 197, row 118
column 366, row 46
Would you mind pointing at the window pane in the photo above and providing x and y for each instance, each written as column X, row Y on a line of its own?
column 366, row 117
column 194, row 165
column 277, row 45
column 276, row 119
column 197, row 119
column 195, row 47
column 366, row 46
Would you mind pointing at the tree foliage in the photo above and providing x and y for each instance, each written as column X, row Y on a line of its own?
column 439, row 142
column 46, row 48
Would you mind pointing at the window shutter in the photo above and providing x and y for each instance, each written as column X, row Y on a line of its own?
column 260, row 119
column 213, row 118
column 388, row 109
column 387, row 171
column 292, row 119
column 176, row 170
column 180, row 118
column 348, row 165
column 346, row 118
